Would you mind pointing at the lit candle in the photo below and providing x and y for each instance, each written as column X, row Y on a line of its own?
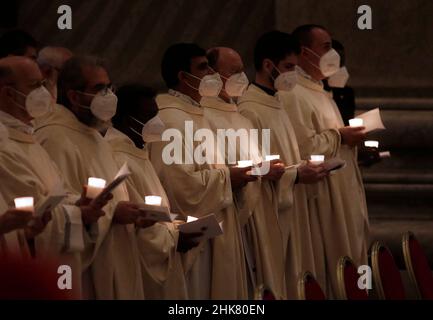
column 94, row 187
column 191, row 219
column 272, row 157
column 372, row 144
column 357, row 122
column 317, row 159
column 245, row 163
column 153, row 200
column 24, row 203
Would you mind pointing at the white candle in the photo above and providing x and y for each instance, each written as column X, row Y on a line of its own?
column 317, row 159
column 245, row 163
column 191, row 219
column 356, row 122
column 272, row 157
column 94, row 187
column 371, row 144
column 24, row 203
column 153, row 200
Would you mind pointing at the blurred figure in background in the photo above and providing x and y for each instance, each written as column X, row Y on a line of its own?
column 50, row 61
column 136, row 124
column 343, row 95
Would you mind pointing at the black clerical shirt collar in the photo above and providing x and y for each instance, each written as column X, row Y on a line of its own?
column 271, row 92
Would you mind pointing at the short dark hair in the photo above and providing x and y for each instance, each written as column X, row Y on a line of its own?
column 303, row 33
column 274, row 45
column 15, row 42
column 71, row 75
column 130, row 97
column 178, row 58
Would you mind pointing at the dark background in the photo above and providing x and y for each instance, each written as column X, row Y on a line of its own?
column 391, row 67
column 395, row 56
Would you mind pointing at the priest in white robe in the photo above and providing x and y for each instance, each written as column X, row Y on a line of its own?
column 27, row 170
column 262, row 235
column 135, row 125
column 339, row 205
column 216, row 269
column 274, row 56
column 72, row 137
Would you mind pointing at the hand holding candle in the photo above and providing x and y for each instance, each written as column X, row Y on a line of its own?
column 94, row 187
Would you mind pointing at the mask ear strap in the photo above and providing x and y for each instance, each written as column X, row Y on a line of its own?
column 312, row 52
column 135, row 131
column 274, row 66
column 137, row 120
column 22, row 95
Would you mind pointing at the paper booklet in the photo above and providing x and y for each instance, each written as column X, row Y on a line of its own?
column 55, row 197
column 118, row 179
column 208, row 225
column 156, row 213
column 334, row 164
column 372, row 120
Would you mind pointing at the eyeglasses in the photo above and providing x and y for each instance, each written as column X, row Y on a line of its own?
column 103, row 91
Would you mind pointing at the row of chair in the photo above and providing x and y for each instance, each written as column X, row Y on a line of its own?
column 387, row 279
column 388, row 283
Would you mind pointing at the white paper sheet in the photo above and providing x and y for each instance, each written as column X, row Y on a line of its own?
column 334, row 164
column 55, row 197
column 118, row 179
column 208, row 225
column 372, row 120
column 155, row 213
column 75, row 241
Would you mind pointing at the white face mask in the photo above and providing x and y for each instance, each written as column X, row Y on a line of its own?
column 210, row 85
column 37, row 102
column 329, row 63
column 152, row 129
column 236, row 84
column 286, row 81
column 103, row 105
column 339, row 79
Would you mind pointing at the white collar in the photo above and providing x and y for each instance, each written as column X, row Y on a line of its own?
column 302, row 73
column 14, row 123
column 183, row 97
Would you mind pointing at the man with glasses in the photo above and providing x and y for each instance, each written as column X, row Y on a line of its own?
column 72, row 136
column 27, row 171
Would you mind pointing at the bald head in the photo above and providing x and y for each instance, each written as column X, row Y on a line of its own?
column 18, row 77
column 225, row 60
column 51, row 61
column 17, row 70
column 54, row 57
